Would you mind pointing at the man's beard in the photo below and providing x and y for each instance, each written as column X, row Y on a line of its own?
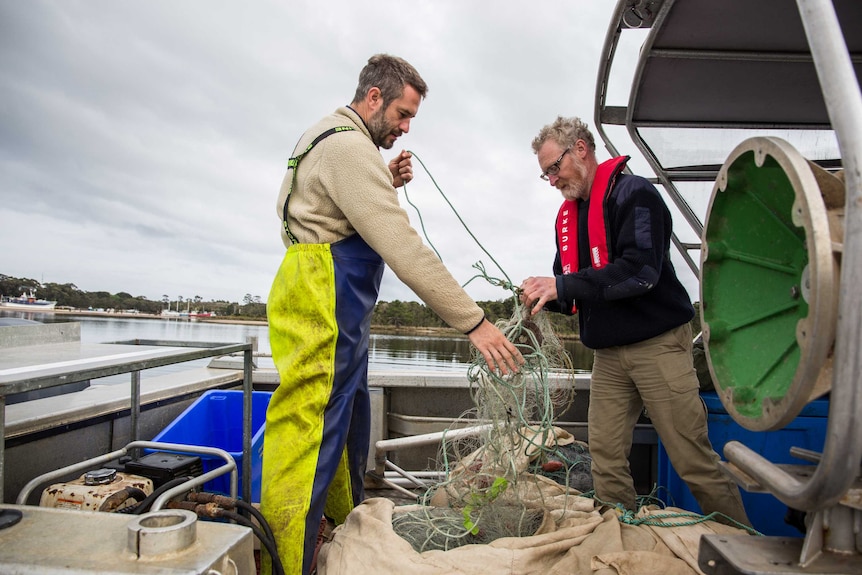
column 379, row 130
column 578, row 190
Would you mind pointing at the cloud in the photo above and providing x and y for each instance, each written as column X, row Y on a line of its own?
column 144, row 143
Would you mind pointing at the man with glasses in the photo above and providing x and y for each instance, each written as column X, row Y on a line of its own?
column 613, row 269
column 341, row 221
column 554, row 168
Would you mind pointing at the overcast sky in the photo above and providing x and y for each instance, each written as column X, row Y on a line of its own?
column 142, row 144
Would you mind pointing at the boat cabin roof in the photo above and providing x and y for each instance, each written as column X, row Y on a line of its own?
column 708, row 75
column 733, row 63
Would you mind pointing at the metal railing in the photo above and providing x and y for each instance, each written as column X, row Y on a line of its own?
column 101, row 360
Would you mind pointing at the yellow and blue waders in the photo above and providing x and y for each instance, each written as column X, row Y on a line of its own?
column 318, row 421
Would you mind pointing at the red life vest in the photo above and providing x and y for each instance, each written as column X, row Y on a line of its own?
column 597, row 228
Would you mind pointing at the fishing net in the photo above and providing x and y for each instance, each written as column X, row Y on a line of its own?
column 568, row 465
column 496, row 475
column 511, row 499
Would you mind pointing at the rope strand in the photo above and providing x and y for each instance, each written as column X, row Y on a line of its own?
column 508, row 283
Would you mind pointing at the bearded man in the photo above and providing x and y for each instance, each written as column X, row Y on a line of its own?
column 341, row 222
column 613, row 269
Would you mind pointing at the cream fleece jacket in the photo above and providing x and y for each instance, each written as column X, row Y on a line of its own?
column 344, row 187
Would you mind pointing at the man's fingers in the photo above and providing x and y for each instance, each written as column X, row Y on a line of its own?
column 489, row 359
column 505, row 360
column 536, row 306
column 493, row 360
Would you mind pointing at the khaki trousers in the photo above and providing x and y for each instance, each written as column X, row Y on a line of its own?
column 656, row 374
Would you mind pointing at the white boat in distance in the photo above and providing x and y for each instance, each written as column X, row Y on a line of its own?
column 27, row 301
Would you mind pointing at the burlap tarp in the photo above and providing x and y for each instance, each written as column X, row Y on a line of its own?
column 575, row 540
column 575, row 536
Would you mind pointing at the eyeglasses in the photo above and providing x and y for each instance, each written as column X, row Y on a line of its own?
column 554, row 168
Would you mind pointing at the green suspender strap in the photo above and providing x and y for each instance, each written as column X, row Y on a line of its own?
column 292, row 164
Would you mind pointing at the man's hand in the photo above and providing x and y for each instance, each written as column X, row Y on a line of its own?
column 536, row 292
column 499, row 352
column 401, row 167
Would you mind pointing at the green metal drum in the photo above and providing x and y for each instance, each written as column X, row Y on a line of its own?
column 768, row 284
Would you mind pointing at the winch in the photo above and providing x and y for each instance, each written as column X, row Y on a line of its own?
column 102, row 489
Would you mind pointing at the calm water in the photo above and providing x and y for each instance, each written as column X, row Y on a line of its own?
column 386, row 352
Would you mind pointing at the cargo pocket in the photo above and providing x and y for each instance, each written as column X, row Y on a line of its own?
column 676, row 366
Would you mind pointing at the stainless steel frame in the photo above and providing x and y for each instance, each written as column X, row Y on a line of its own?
column 228, row 467
column 25, row 369
column 842, row 453
column 832, row 494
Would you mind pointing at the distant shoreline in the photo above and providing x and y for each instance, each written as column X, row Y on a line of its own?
column 125, row 315
column 441, row 331
column 376, row 329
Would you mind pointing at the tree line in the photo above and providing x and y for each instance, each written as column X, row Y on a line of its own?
column 395, row 314
column 400, row 314
column 392, row 314
column 69, row 296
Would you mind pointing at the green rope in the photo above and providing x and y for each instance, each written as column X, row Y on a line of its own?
column 507, row 284
column 630, row 517
column 652, row 498
column 655, row 520
column 534, row 373
column 532, row 379
column 422, row 222
column 520, row 404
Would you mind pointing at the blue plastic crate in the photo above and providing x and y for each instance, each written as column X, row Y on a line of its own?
column 766, row 513
column 215, row 420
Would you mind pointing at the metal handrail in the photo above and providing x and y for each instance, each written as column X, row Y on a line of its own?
column 611, row 42
column 650, row 157
column 838, row 466
column 228, row 467
column 134, row 363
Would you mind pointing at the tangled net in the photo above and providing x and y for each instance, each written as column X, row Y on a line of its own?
column 568, row 465
column 493, row 477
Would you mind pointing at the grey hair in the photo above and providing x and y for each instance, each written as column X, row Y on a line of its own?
column 565, row 131
column 390, row 74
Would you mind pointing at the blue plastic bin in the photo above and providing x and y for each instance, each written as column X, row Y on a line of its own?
column 215, row 420
column 766, row 512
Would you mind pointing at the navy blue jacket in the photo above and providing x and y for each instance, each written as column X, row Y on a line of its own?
column 637, row 295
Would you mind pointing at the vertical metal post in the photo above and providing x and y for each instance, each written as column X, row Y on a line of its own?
column 843, row 100
column 842, row 451
column 135, row 409
column 246, row 424
column 2, row 443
